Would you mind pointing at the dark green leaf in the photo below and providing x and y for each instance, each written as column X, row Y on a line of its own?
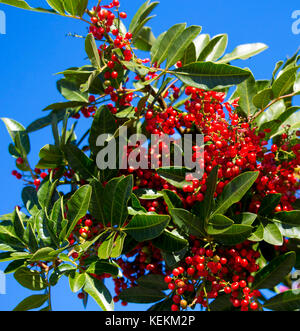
column 30, row 279
column 147, row 227
column 32, row 302
column 275, row 271
column 141, row 295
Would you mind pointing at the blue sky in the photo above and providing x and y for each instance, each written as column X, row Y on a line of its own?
column 36, row 46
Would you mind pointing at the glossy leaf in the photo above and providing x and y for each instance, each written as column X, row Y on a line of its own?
column 244, row 52
column 141, row 295
column 181, row 43
column 234, row 191
column 78, row 206
column 286, row 301
column 209, row 75
column 275, row 271
column 32, row 280
column 32, row 302
column 98, row 291
column 147, row 227
column 164, row 42
column 215, row 48
column 170, row 242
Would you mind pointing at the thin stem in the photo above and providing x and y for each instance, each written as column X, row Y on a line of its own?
column 272, row 103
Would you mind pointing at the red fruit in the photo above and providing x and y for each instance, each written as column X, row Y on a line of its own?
column 20, row 161
column 123, row 15
column 190, row 271
column 227, row 290
column 37, row 182
column 174, row 308
column 75, row 255
column 175, row 272
column 179, row 64
column 88, row 223
column 253, row 305
column 114, row 75
column 168, row 279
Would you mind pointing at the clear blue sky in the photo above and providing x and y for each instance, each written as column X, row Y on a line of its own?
column 36, row 46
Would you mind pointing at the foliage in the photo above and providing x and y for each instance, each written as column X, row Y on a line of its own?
column 164, row 238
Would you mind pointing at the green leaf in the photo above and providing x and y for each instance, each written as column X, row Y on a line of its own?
column 209, row 75
column 70, row 7
column 147, row 227
column 45, row 193
column 78, row 206
column 170, row 242
column 164, row 42
column 117, row 193
column 30, row 279
column 218, row 224
column 18, row 224
column 291, row 218
column 246, row 91
column 284, row 82
column 173, row 259
column 42, row 255
column 181, row 43
column 144, row 40
column 92, row 51
column 164, row 305
column 172, row 199
column 106, row 247
column 141, row 295
column 258, row 234
column 24, row 5
column 32, row 302
column 63, row 269
column 174, row 175
column 292, row 122
column 263, row 98
column 98, row 291
column 221, row 303
column 286, row 301
column 140, row 17
column 96, row 207
column 234, row 191
column 79, row 161
column 152, row 281
column 30, row 199
column 269, row 203
column 147, row 194
column 236, row 234
column 215, row 48
column 189, row 55
column 244, row 52
column 76, row 281
column 18, row 135
column 57, row 5
column 185, row 219
column 275, row 271
column 81, row 7
column 272, row 234
column 14, row 265
column 70, row 91
column 118, row 245
column 101, row 267
column 103, row 123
